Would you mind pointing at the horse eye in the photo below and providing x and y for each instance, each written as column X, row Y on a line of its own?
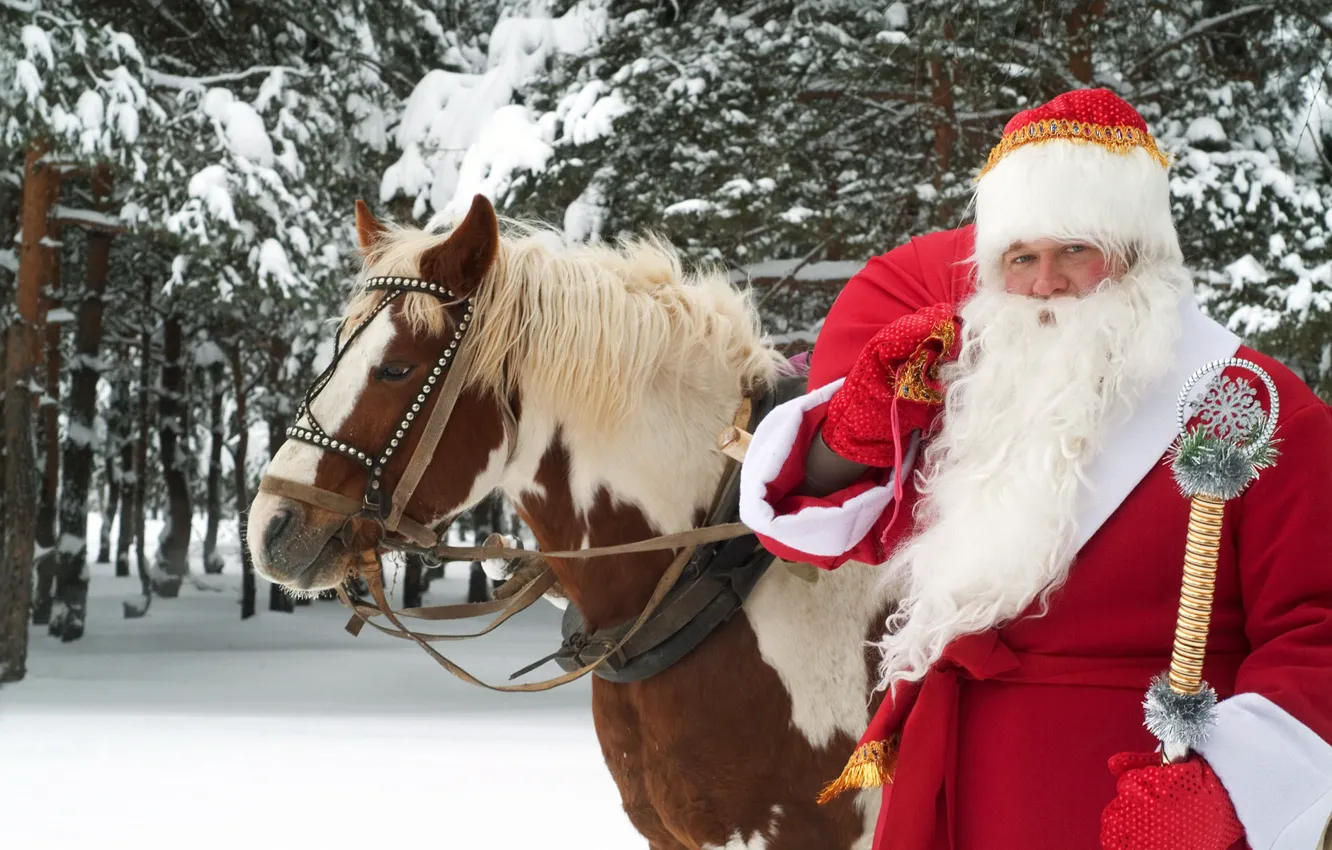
column 394, row 372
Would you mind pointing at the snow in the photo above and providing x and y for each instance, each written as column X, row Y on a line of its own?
column 1205, row 129
column 27, row 78
column 179, row 264
column 239, row 125
column 127, row 97
column 693, row 205
column 1300, row 296
column 796, row 214
column 70, row 545
column 590, row 113
column 91, row 218
column 208, row 353
column 460, row 133
column 189, row 727
column 80, row 435
column 443, row 117
column 210, row 186
column 91, row 111
column 583, row 219
column 831, row 271
column 37, row 44
column 273, row 264
column 59, row 315
column 510, row 141
column 523, row 45
column 1246, row 270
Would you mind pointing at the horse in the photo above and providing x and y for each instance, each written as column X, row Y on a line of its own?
column 598, row 378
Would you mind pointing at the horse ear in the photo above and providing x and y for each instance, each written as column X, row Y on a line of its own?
column 462, row 260
column 369, row 230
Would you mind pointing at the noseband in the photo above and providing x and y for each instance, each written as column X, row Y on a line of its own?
column 378, row 503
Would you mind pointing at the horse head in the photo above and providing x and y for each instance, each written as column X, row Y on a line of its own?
column 361, row 424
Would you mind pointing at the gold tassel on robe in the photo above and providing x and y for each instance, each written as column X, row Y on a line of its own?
column 870, row 766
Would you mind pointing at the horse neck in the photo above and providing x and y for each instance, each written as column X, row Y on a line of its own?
column 656, row 474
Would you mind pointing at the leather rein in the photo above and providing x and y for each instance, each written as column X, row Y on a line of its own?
column 400, row 532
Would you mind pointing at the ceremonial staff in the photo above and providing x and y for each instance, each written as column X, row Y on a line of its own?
column 1213, row 462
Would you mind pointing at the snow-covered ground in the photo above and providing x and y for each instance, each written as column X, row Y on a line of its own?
column 189, row 729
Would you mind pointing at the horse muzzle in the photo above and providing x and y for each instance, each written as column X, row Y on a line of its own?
column 297, row 545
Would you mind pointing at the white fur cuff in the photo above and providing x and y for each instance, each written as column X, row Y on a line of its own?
column 820, row 531
column 1277, row 771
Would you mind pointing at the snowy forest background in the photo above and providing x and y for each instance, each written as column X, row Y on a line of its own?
column 177, row 180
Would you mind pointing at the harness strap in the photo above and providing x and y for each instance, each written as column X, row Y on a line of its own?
column 345, row 506
column 339, row 504
column 374, row 576
column 521, row 601
column 690, row 537
column 434, row 429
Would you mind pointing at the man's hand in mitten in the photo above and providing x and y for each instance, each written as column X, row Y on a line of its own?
column 1168, row 807
column 894, row 388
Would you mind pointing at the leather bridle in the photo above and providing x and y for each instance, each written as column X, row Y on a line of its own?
column 380, row 504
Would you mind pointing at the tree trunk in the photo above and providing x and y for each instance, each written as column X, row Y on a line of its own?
column 172, row 562
column 1079, row 25
column 242, row 495
column 478, row 584
column 40, row 188
column 278, row 599
column 413, row 587
column 212, row 562
column 940, row 68
column 941, row 97
column 72, row 551
column 141, row 442
column 128, row 495
column 112, row 501
column 48, row 438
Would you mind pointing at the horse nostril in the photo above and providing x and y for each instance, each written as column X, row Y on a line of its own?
column 279, row 525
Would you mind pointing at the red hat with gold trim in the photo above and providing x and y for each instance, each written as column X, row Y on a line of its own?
column 1082, row 167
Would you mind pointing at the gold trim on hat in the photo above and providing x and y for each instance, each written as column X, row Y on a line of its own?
column 1118, row 138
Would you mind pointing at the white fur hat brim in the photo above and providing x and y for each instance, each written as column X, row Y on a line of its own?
column 1075, row 190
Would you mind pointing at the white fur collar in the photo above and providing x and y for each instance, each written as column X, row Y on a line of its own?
column 1133, row 447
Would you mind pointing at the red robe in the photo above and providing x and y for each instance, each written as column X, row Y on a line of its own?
column 1004, row 744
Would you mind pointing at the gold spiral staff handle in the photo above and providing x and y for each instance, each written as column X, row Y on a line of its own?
column 1195, row 601
column 1213, row 462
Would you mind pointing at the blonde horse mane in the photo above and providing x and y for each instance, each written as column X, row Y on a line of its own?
column 596, row 324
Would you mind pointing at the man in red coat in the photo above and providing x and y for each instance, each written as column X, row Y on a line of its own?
column 989, row 415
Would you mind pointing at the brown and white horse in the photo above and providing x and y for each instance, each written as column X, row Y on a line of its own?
column 621, row 371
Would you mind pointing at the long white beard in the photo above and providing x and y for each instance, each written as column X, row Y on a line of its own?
column 1035, row 388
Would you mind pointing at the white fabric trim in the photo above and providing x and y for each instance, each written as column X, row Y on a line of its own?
column 1277, row 771
column 1132, row 448
column 824, row 532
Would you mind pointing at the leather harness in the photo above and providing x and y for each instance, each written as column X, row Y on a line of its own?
column 714, row 585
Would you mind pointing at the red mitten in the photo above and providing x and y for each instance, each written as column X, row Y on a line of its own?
column 893, row 388
column 1168, row 807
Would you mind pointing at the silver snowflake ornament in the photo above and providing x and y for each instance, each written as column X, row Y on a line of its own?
column 1230, row 409
column 1233, row 438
